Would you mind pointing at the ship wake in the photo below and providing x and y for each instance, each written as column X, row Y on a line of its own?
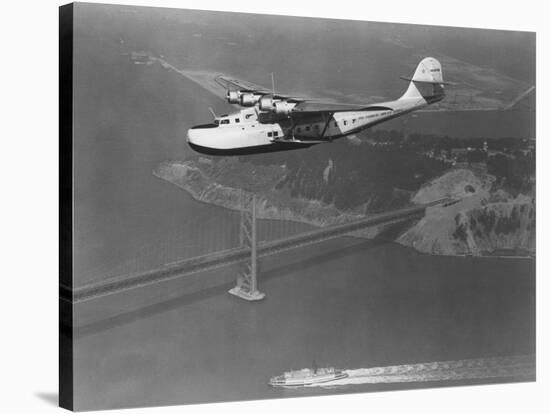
column 517, row 367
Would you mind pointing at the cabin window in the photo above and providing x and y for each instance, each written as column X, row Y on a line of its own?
column 247, row 116
column 345, row 122
column 335, row 124
column 275, row 133
column 270, row 134
column 225, row 121
column 298, row 129
column 316, row 127
column 308, row 128
column 353, row 120
column 237, row 120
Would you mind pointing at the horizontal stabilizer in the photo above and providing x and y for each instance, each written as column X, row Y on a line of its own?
column 432, row 82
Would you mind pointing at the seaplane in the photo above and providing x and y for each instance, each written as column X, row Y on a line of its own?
column 269, row 121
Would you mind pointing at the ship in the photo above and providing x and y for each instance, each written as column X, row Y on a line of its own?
column 307, row 376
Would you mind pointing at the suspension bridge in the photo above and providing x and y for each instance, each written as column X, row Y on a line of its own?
column 251, row 247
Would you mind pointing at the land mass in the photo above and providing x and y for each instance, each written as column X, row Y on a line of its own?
column 493, row 189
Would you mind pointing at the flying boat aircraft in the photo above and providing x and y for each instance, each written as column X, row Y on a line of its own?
column 269, row 121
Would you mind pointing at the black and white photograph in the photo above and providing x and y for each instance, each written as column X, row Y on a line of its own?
column 260, row 208
column 264, row 207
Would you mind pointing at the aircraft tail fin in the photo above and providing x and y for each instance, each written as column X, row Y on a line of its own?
column 427, row 82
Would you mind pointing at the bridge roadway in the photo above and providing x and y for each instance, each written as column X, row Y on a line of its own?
column 519, row 98
column 236, row 255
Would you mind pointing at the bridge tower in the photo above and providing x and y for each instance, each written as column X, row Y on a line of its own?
column 247, row 281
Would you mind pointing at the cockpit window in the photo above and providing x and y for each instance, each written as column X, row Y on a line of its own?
column 224, row 121
column 248, row 116
column 217, row 121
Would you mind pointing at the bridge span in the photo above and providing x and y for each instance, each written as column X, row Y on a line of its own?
column 248, row 252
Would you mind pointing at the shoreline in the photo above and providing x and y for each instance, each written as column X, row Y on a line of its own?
column 227, row 197
column 204, row 190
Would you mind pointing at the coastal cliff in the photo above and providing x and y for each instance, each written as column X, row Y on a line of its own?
column 194, row 177
column 485, row 218
column 483, row 222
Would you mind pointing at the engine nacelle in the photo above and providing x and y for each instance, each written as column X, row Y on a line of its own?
column 283, row 107
column 249, row 99
column 233, row 97
column 267, row 104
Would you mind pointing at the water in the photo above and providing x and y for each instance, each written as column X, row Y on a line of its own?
column 518, row 123
column 344, row 303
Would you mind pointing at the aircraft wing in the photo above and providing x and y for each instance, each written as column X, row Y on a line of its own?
column 220, row 84
column 240, row 85
column 233, row 84
column 320, row 106
column 311, row 107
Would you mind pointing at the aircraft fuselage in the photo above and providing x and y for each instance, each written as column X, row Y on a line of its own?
column 248, row 131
